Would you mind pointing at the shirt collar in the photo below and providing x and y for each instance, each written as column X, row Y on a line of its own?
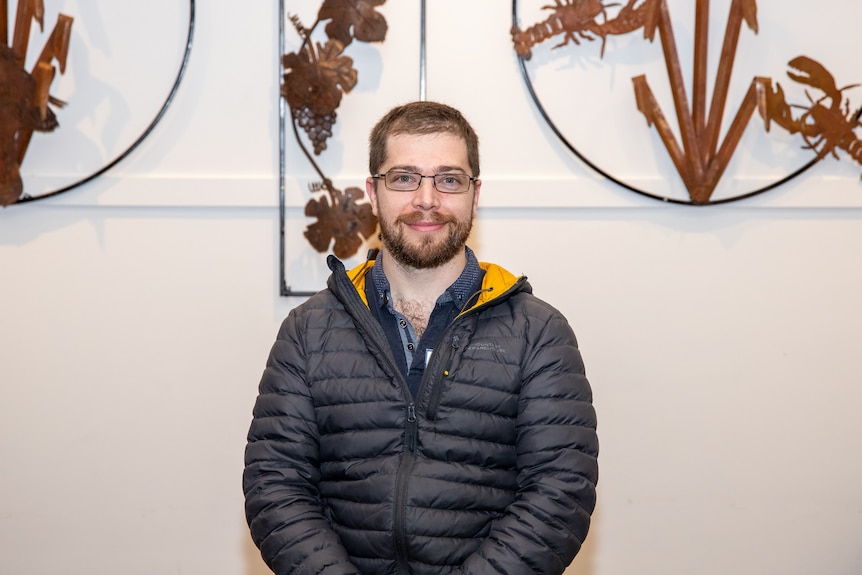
column 459, row 292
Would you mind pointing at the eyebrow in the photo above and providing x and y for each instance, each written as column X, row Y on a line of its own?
column 437, row 169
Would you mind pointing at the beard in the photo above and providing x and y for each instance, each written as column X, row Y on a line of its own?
column 428, row 252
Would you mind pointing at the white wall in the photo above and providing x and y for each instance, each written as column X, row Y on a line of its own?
column 137, row 313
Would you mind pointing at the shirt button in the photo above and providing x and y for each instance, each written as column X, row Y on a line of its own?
column 403, row 323
column 410, row 346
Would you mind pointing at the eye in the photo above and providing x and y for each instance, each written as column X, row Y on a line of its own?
column 403, row 177
column 451, row 182
column 407, row 181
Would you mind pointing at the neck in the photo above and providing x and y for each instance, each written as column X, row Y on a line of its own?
column 422, row 285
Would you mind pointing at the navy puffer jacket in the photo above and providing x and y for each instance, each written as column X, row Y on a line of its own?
column 491, row 468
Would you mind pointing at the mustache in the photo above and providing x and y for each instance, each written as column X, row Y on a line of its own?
column 417, row 217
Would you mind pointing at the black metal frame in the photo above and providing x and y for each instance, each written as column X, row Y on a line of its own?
column 284, row 289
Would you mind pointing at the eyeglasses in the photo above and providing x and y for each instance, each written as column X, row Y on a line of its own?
column 399, row 181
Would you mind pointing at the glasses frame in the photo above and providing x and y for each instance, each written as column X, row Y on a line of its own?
column 471, row 180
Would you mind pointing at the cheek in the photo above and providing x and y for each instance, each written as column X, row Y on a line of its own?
column 393, row 206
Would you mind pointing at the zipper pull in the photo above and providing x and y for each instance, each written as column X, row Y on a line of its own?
column 455, row 341
column 410, row 432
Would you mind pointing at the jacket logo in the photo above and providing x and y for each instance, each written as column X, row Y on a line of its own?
column 486, row 346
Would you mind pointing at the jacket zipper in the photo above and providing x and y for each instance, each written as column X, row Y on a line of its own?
column 437, row 390
column 399, row 527
column 361, row 312
column 411, row 431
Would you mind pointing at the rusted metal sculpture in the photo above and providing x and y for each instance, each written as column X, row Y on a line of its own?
column 316, row 77
column 700, row 159
column 822, row 126
column 24, row 96
column 577, row 18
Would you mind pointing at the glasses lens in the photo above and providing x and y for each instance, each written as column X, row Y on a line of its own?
column 410, row 181
column 452, row 183
column 403, row 181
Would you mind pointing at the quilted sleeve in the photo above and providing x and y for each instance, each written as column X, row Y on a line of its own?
column 557, row 458
column 282, row 503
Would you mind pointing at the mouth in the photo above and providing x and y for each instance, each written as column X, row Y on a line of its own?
column 419, row 223
column 426, row 227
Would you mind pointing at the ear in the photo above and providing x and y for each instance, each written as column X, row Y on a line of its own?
column 371, row 191
column 477, row 187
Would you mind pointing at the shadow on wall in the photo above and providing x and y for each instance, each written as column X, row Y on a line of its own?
column 254, row 565
column 585, row 563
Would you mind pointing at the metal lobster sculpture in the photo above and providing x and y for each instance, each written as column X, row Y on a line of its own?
column 578, row 19
column 826, row 124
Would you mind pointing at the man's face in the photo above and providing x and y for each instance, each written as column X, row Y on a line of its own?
column 424, row 228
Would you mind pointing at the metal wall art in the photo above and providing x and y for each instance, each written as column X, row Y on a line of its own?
column 700, row 146
column 827, row 123
column 113, row 64
column 24, row 97
column 315, row 78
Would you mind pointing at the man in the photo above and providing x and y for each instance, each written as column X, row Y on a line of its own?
column 425, row 414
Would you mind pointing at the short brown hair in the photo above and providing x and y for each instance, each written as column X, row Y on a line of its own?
column 421, row 117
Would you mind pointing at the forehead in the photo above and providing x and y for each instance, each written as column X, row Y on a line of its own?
column 426, row 151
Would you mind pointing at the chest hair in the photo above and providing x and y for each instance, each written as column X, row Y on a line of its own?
column 417, row 313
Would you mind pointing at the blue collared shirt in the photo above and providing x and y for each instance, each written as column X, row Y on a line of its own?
column 411, row 352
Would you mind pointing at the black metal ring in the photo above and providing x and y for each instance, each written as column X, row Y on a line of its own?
column 145, row 133
column 580, row 156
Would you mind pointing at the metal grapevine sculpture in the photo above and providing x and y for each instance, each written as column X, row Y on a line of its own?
column 700, row 158
column 315, row 78
column 24, row 96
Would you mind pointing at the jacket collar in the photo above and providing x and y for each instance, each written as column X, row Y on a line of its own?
column 497, row 282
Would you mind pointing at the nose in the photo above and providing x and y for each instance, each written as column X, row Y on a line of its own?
column 426, row 197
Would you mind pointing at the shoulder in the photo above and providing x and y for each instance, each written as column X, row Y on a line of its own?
column 539, row 319
column 316, row 312
column 520, row 300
